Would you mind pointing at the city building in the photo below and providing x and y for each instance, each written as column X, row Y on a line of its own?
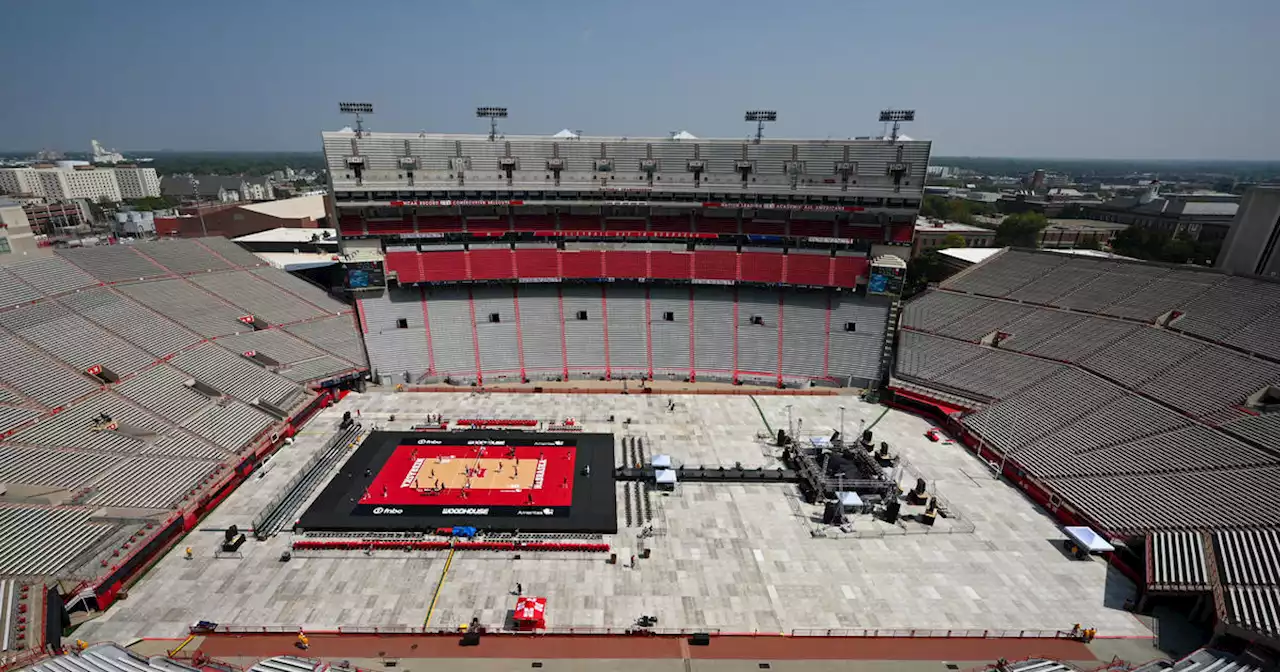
column 55, row 219
column 1204, row 217
column 137, row 182
column 234, row 220
column 1252, row 245
column 20, row 181
column 1072, row 233
column 16, row 236
column 220, row 188
column 69, row 180
column 930, row 234
column 89, row 182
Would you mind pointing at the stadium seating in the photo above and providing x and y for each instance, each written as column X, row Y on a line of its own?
column 445, row 263
column 51, row 538
column 621, row 330
column 1137, row 419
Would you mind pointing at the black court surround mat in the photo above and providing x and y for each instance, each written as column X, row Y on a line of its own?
column 593, row 509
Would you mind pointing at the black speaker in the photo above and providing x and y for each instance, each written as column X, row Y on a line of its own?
column 471, row 638
column 891, row 511
column 700, row 639
column 230, row 534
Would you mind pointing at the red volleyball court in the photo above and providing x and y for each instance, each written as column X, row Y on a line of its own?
column 475, row 475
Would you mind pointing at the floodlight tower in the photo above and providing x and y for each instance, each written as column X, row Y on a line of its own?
column 896, row 117
column 493, row 114
column 358, row 109
column 760, row 117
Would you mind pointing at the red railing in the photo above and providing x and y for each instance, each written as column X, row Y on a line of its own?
column 439, row 545
column 542, row 263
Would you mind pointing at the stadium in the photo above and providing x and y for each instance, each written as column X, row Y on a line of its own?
column 632, row 398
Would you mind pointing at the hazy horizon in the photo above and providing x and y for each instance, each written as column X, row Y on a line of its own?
column 1141, row 80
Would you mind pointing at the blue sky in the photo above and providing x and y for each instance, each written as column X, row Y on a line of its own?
column 1105, row 79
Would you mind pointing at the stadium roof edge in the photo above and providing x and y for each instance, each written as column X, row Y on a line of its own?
column 607, row 138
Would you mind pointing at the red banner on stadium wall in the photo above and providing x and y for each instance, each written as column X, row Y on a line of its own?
column 709, row 204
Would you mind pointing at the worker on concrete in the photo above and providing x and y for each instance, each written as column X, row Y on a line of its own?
column 188, row 552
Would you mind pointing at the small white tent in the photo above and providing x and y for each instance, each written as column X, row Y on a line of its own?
column 566, row 134
column 683, row 135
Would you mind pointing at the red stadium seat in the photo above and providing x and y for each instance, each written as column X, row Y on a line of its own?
column 715, row 265
column 847, row 270
column 762, row 267
column 808, row 269
column 537, row 263
column 444, row 266
column 626, row 264
column 582, row 264
column 670, row 265
column 492, row 264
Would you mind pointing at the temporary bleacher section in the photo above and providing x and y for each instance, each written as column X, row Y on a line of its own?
column 115, row 658
column 544, row 331
column 1237, row 570
column 134, row 379
column 1134, row 398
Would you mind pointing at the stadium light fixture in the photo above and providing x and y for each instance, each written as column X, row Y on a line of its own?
column 359, row 110
column 896, row 117
column 760, row 117
column 493, row 114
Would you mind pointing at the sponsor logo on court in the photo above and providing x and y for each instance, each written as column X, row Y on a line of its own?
column 386, row 511
column 536, row 512
column 464, row 511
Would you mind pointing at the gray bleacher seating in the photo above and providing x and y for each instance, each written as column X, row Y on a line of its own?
column 336, row 335
column 38, row 540
column 136, row 324
column 540, row 330
column 1005, row 273
column 183, row 256
column 113, row 263
column 316, row 369
column 628, row 342
column 496, row 332
column 452, row 337
column 925, row 358
column 1262, row 429
column 1082, row 339
column 1178, row 561
column 997, row 374
column 16, row 416
column 301, row 289
column 185, row 444
column 1057, row 282
column 1048, row 405
column 54, row 329
column 38, row 376
column 712, row 317
column 256, row 297
column 274, row 343
column 932, row 311
column 1037, row 327
column 1162, row 295
column 1210, row 380
column 584, row 338
column 15, row 292
column 1207, row 660
column 856, row 354
column 671, row 339
column 1142, row 355
column 234, row 375
column 51, row 275
column 805, row 334
column 1261, row 336
column 162, row 389
column 74, row 427
column 231, row 425
column 234, row 254
column 149, row 482
column 1228, row 308
column 68, row 469
column 1180, row 500
column 1117, row 282
column 187, row 305
column 1122, row 420
column 757, row 343
column 1189, row 448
